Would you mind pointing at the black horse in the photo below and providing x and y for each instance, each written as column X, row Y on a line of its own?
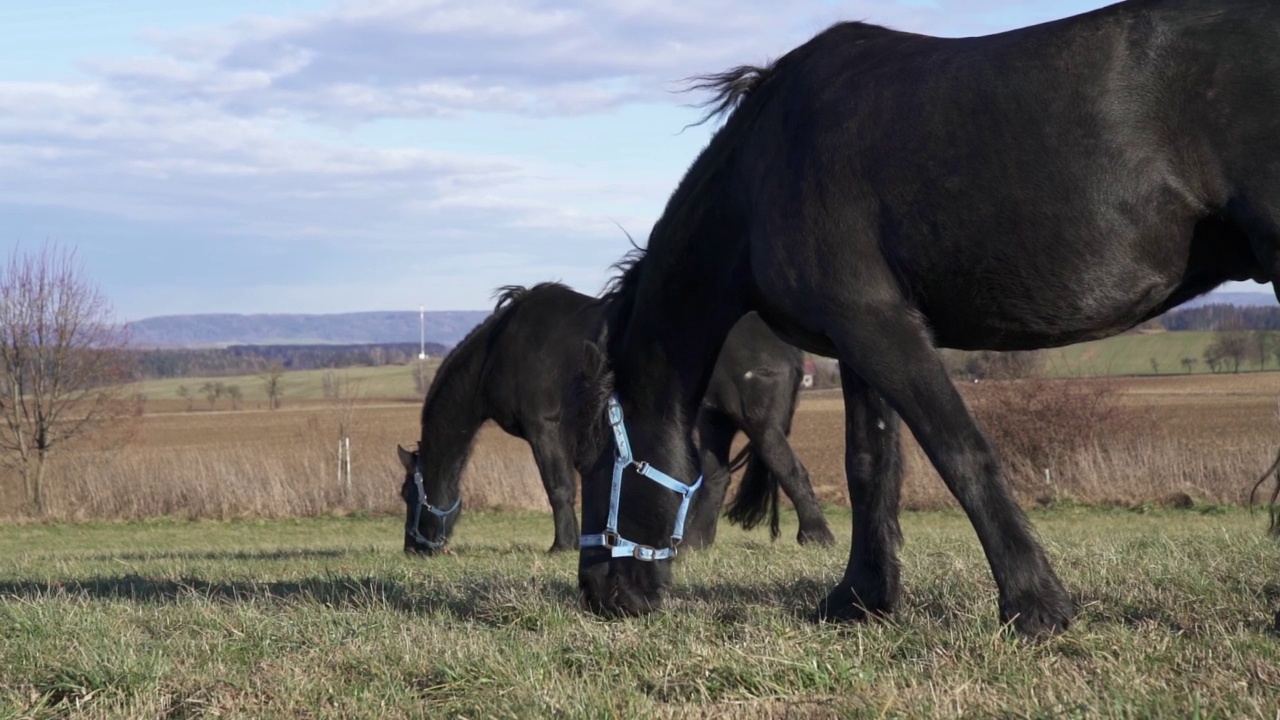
column 876, row 194
column 513, row 368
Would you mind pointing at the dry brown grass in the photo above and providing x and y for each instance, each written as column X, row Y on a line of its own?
column 1201, row 437
column 271, row 465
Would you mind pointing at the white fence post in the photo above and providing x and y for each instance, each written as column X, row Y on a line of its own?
column 344, row 465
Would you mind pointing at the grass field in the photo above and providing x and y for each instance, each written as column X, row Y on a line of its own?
column 297, row 386
column 326, row 618
column 1131, row 354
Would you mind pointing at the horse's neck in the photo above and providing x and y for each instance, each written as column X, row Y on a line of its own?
column 684, row 306
column 452, row 417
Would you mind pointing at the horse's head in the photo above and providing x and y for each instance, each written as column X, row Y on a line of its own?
column 628, row 536
column 431, row 507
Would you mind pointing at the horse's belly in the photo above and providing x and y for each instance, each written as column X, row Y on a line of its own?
column 1038, row 320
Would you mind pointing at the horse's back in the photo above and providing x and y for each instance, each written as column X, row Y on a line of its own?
column 530, row 360
column 1062, row 168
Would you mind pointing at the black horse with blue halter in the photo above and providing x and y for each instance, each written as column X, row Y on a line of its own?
column 618, row 545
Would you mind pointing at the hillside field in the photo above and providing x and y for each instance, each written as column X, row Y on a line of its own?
column 387, row 382
column 1131, row 354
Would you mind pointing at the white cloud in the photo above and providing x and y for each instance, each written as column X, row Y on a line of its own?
column 96, row 149
column 433, row 58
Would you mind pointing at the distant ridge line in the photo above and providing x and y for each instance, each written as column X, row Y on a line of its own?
column 445, row 327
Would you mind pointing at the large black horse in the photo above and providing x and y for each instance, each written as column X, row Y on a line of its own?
column 876, row 194
column 513, row 369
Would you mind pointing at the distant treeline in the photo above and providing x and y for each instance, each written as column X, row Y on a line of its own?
column 250, row 359
column 1223, row 317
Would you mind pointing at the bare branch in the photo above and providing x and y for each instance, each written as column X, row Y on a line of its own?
column 63, row 360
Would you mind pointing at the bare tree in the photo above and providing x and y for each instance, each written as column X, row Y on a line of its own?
column 1226, row 348
column 1155, row 366
column 184, row 392
column 63, row 363
column 212, row 391
column 233, row 392
column 1189, row 364
column 271, row 383
column 330, row 385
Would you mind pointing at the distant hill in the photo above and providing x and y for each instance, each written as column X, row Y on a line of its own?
column 444, row 327
column 1243, row 299
column 220, row 330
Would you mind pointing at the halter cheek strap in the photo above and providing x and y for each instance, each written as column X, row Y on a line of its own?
column 619, row 546
column 411, row 528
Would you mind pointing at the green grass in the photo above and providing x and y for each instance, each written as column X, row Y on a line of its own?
column 1131, row 355
column 388, row 381
column 325, row 618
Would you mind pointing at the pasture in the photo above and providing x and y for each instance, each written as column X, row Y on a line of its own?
column 218, row 567
column 326, row 618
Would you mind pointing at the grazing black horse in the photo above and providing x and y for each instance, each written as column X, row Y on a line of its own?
column 513, row 368
column 876, row 194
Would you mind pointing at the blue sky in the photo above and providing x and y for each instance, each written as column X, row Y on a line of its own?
column 309, row 156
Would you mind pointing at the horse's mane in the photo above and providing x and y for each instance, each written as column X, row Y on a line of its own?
column 506, row 297
column 510, row 294
column 730, row 87
column 626, row 275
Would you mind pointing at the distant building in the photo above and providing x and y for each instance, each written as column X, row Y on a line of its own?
column 810, row 368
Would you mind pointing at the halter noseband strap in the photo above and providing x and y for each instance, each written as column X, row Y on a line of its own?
column 411, row 528
column 618, row 545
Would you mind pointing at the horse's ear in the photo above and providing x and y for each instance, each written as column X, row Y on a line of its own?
column 406, row 458
column 594, row 363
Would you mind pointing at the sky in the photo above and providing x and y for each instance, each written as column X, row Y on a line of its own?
column 310, row 156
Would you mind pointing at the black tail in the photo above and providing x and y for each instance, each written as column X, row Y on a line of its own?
column 1272, row 509
column 757, row 494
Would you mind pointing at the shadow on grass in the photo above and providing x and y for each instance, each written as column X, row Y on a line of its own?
column 490, row 602
column 223, row 555
column 796, row 598
column 1206, row 620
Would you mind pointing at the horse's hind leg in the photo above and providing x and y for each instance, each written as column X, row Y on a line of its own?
column 775, row 451
column 715, row 442
column 885, row 343
column 873, row 469
column 557, row 474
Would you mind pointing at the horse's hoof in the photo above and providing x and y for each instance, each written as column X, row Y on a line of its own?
column 842, row 605
column 1039, row 616
column 821, row 537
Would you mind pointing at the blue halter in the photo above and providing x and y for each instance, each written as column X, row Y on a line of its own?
column 411, row 528
column 619, row 546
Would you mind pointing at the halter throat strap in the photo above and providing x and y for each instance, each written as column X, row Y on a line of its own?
column 619, row 546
